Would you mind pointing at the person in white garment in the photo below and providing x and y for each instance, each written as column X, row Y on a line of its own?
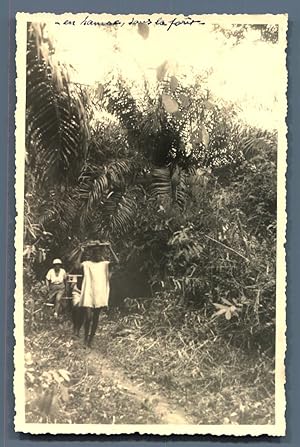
column 56, row 284
column 94, row 294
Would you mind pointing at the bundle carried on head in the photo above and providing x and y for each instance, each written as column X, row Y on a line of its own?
column 92, row 249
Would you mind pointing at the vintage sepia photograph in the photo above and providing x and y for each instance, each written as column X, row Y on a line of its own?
column 150, row 230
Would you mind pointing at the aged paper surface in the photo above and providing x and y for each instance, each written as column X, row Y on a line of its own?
column 163, row 48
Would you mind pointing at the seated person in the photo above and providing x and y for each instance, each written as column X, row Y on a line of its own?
column 56, row 284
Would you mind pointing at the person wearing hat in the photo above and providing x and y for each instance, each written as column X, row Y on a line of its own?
column 56, row 284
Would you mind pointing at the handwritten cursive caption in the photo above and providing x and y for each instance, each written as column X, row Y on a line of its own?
column 161, row 22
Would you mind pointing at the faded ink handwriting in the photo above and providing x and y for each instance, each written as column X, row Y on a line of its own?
column 161, row 22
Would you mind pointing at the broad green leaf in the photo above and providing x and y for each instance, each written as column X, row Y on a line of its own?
column 161, row 71
column 65, row 374
column 143, row 30
column 226, row 301
column 228, row 315
column 236, row 303
column 169, row 103
column 219, row 312
column 220, row 306
column 205, row 136
column 57, row 377
column 173, row 83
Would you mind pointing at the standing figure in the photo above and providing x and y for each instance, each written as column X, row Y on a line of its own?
column 56, row 284
column 95, row 286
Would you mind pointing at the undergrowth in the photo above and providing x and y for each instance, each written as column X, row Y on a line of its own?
column 173, row 353
column 213, row 380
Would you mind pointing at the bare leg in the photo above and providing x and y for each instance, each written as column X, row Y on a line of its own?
column 95, row 319
column 80, row 319
column 87, row 323
column 74, row 319
column 77, row 317
column 58, row 298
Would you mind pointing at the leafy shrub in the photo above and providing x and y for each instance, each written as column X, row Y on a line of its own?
column 48, row 390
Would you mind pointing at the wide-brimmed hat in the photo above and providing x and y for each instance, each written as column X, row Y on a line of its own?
column 57, row 261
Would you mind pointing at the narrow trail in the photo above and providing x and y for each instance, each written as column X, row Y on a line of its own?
column 165, row 412
column 109, row 384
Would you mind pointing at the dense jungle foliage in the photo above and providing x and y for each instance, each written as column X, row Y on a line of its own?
column 184, row 191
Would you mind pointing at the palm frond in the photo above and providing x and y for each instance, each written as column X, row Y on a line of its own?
column 119, row 212
column 54, row 118
column 122, row 104
column 170, row 184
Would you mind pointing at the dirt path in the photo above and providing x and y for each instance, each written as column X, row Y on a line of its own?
column 100, row 390
column 163, row 410
column 114, row 386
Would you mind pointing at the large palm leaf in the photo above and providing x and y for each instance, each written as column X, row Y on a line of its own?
column 54, row 116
